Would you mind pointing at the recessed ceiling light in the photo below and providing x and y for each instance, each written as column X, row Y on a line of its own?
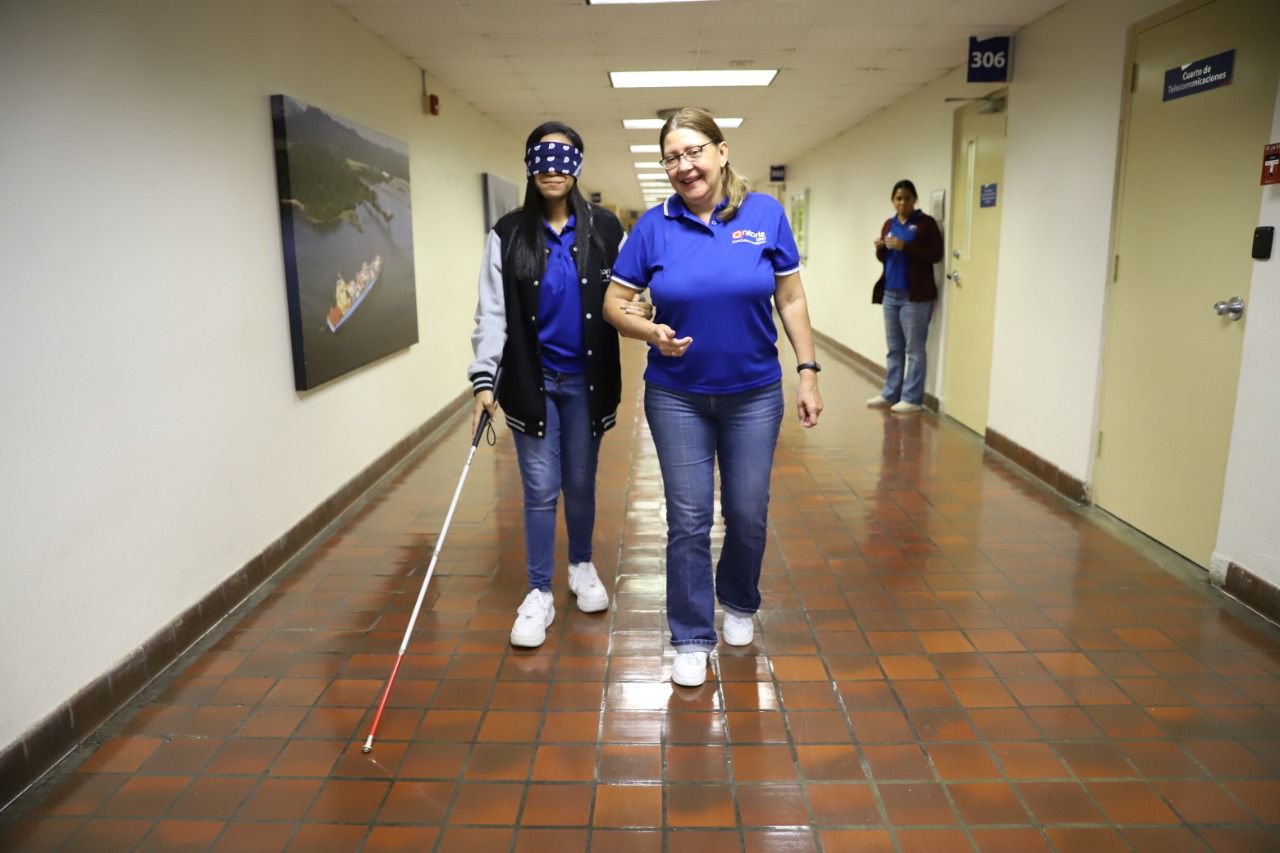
column 645, row 149
column 657, row 123
column 619, row 2
column 709, row 77
column 653, row 176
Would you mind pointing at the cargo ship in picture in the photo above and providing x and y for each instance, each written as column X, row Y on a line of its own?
column 348, row 294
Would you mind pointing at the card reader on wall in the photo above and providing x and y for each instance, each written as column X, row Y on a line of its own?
column 1263, row 236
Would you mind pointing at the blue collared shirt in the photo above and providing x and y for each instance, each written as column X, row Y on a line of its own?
column 714, row 283
column 560, row 304
column 895, row 262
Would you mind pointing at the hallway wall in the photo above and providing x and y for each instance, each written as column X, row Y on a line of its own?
column 153, row 441
column 1249, row 533
column 1055, row 240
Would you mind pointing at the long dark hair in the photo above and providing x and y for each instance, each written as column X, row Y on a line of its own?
column 529, row 248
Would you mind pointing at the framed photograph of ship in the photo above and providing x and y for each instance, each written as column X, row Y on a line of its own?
column 346, row 219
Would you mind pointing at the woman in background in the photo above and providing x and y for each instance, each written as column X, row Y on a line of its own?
column 909, row 245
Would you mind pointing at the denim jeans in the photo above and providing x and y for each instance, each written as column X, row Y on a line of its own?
column 906, row 328
column 564, row 459
column 691, row 432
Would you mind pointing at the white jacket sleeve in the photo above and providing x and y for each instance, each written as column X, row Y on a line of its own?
column 490, row 334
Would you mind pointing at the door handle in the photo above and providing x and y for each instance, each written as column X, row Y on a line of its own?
column 1233, row 307
column 955, row 276
column 955, row 253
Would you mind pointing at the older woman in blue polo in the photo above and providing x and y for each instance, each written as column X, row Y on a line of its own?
column 717, row 260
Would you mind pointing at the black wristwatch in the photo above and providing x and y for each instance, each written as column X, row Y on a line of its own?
column 809, row 365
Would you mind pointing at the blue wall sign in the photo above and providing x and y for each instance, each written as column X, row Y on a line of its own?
column 987, row 195
column 1199, row 76
column 990, row 59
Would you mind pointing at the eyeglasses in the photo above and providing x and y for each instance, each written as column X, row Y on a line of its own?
column 693, row 155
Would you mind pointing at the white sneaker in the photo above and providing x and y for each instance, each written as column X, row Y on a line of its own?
column 532, row 618
column 739, row 629
column 902, row 407
column 878, row 402
column 585, row 584
column 689, row 669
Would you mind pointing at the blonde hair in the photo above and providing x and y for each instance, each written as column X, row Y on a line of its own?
column 734, row 185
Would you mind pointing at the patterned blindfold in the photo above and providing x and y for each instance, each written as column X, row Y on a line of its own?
column 554, row 157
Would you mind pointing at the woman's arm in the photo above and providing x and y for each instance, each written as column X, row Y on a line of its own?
column 788, row 296
column 632, row 325
column 490, row 334
column 927, row 246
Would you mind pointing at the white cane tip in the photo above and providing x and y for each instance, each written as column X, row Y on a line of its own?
column 366, row 749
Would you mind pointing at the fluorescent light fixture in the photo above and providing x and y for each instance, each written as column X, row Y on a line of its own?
column 647, row 164
column 654, row 176
column 695, row 79
column 657, row 123
column 645, row 149
column 620, row 2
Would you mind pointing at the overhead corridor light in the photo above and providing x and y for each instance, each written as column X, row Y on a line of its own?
column 709, row 77
column 645, row 149
column 622, row 2
column 657, row 123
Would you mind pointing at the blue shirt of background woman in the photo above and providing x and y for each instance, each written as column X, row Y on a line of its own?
column 895, row 263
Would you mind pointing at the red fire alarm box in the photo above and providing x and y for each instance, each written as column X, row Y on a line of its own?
column 1271, row 164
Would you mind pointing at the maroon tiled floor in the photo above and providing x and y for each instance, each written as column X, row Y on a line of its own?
column 949, row 658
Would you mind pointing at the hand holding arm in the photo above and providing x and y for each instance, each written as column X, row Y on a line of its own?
column 630, row 325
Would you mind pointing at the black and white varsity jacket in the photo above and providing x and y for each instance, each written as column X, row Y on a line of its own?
column 507, row 330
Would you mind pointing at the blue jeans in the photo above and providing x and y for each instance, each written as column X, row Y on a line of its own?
column 906, row 328
column 564, row 459
column 691, row 432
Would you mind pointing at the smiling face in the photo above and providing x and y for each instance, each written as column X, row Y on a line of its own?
column 551, row 185
column 699, row 184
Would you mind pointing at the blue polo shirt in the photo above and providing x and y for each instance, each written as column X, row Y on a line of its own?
column 714, row 283
column 560, row 304
column 895, row 262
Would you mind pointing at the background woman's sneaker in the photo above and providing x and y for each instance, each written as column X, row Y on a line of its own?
column 739, row 629
column 585, row 584
column 878, row 402
column 902, row 407
column 689, row 669
column 532, row 618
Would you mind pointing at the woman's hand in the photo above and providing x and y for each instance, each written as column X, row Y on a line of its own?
column 808, row 400
column 891, row 242
column 664, row 338
column 484, row 402
column 638, row 308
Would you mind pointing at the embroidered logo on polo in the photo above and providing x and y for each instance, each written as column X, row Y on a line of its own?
column 754, row 238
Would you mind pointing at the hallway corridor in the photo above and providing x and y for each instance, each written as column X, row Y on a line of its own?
column 949, row 658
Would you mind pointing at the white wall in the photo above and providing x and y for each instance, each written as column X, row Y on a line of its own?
column 152, row 439
column 849, row 180
column 1249, row 532
column 1055, row 237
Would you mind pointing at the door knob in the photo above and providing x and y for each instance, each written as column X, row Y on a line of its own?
column 955, row 276
column 1233, row 307
column 955, row 253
